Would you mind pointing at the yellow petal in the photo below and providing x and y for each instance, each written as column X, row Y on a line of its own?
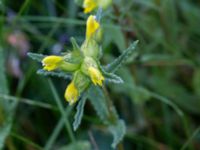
column 89, row 5
column 71, row 93
column 92, row 26
column 96, row 76
column 51, row 62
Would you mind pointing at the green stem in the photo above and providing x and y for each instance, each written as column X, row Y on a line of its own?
column 190, row 139
column 57, row 129
column 27, row 141
column 187, row 133
column 27, row 101
column 62, row 111
column 22, row 9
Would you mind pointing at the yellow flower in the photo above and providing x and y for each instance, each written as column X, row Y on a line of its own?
column 96, row 76
column 92, row 26
column 89, row 5
column 71, row 93
column 51, row 62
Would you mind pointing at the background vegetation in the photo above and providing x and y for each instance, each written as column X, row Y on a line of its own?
column 159, row 100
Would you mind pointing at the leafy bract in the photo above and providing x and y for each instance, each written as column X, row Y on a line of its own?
column 112, row 67
column 79, row 113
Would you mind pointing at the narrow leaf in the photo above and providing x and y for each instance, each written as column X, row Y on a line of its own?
column 35, row 56
column 118, row 131
column 112, row 67
column 97, row 99
column 111, row 77
column 54, row 74
column 79, row 113
column 117, row 126
column 168, row 102
column 74, row 44
column 7, row 108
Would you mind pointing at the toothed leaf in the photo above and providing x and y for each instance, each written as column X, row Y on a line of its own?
column 112, row 67
column 54, row 74
column 79, row 112
column 35, row 56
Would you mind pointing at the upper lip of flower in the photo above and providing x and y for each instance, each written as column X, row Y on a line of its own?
column 96, row 76
column 71, row 93
column 92, row 26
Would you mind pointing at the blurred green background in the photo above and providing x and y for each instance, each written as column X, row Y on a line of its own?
column 159, row 100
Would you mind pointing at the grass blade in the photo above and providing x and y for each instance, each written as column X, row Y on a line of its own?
column 191, row 138
column 58, row 102
column 52, row 138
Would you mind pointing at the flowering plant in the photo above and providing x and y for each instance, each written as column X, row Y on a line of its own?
column 88, row 77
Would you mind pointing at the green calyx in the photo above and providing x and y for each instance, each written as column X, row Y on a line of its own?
column 68, row 67
column 90, row 48
column 81, row 81
column 88, row 62
column 72, row 61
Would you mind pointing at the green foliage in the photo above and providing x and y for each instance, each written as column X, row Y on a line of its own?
column 117, row 36
column 107, row 114
column 196, row 81
column 79, row 2
column 113, row 78
column 74, row 44
column 35, row 56
column 153, row 88
column 79, row 111
column 112, row 67
column 79, row 145
column 53, row 74
column 137, row 93
column 6, row 108
column 118, row 130
column 98, row 101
